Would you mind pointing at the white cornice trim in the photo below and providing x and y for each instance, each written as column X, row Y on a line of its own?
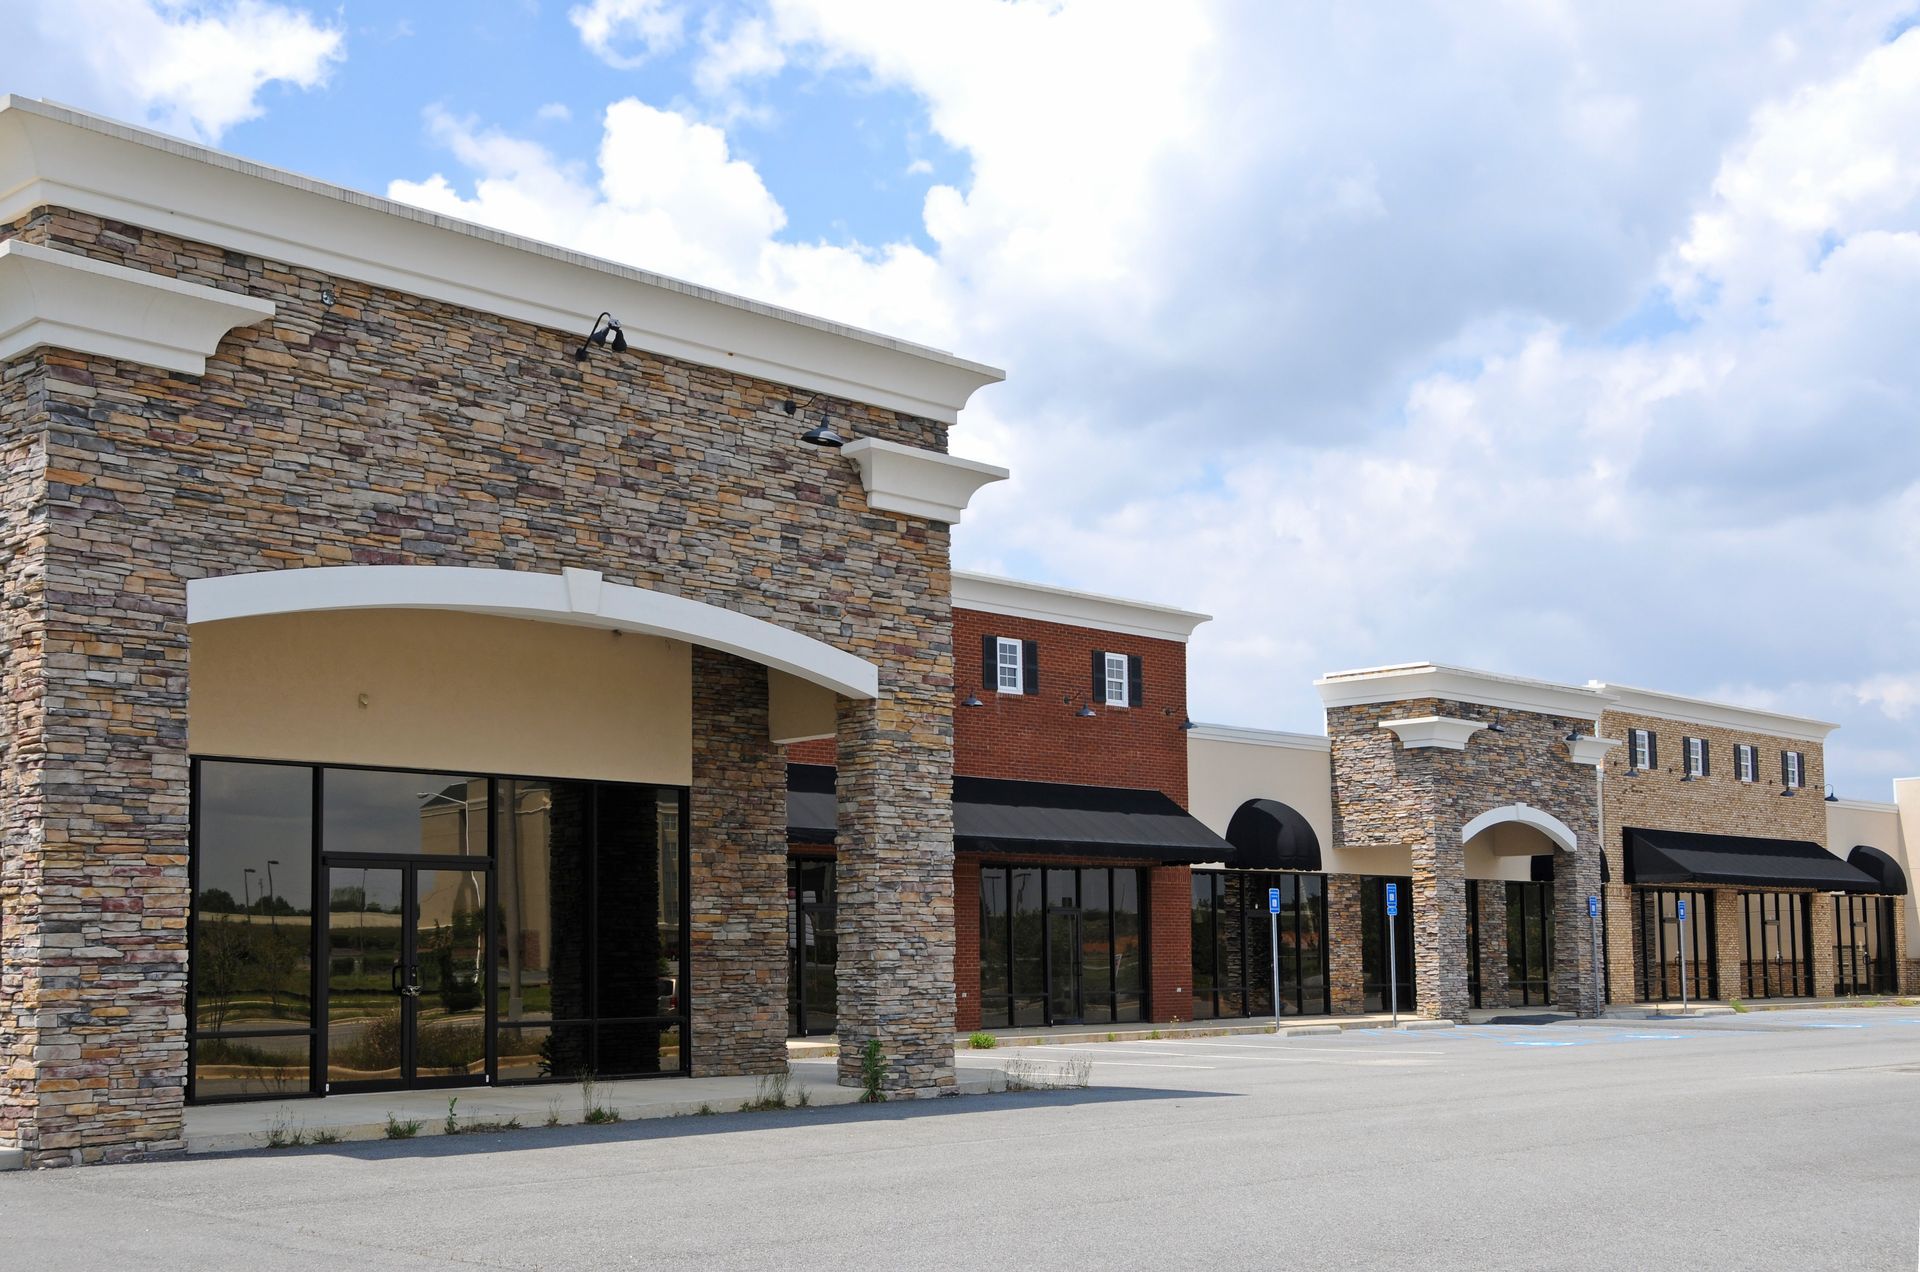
column 1713, row 715
column 70, row 302
column 1260, row 737
column 51, row 155
column 918, row 483
column 1443, row 733
column 1591, row 751
column 1407, row 682
column 1526, row 815
column 1866, row 805
column 581, row 598
column 1041, row 603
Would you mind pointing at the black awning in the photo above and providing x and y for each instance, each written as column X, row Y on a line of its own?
column 1881, row 868
column 998, row 815
column 1663, row 857
column 811, row 817
column 1269, row 835
column 993, row 815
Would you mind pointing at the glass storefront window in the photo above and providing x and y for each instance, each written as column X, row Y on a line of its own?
column 1233, row 936
column 1775, row 952
column 1529, row 944
column 1374, row 960
column 1863, row 945
column 1077, row 957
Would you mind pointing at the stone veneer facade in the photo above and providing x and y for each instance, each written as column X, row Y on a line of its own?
column 1387, row 794
column 385, row 428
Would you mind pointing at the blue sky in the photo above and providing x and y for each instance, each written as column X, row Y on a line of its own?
column 1573, row 341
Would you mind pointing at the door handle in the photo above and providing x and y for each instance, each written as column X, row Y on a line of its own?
column 397, row 987
column 412, row 988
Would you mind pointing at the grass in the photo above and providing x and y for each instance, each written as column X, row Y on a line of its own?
column 981, row 1040
column 397, row 1129
column 873, row 1072
column 324, row 1137
column 553, row 1111
column 768, row 1094
column 1738, row 1006
column 282, row 1133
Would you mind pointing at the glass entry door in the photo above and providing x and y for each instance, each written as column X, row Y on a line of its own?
column 406, row 975
column 1063, row 967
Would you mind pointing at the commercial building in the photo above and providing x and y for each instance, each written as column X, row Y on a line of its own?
column 411, row 679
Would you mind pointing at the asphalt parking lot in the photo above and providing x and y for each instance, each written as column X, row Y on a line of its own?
column 1776, row 1140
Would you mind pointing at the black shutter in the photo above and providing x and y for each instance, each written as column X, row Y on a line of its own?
column 1099, row 676
column 1706, row 758
column 1135, row 694
column 1653, row 751
column 1030, row 666
column 1783, row 768
column 990, row 662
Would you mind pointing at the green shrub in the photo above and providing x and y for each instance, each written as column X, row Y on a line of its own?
column 981, row 1040
column 873, row 1072
column 396, row 1129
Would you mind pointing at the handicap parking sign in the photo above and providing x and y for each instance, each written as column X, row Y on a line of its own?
column 1683, row 911
column 1393, row 899
column 1593, row 907
column 1273, row 900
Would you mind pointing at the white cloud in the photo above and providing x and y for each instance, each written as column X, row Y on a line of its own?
column 747, row 51
column 554, row 113
column 627, row 33
column 195, row 70
column 1573, row 340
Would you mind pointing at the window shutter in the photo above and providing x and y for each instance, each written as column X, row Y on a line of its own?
column 1706, row 758
column 1099, row 675
column 1030, row 666
column 990, row 662
column 1653, row 751
column 1135, row 694
column 1783, row 769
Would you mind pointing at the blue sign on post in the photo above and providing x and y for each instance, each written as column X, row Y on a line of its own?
column 1273, row 900
column 1393, row 899
column 1593, row 907
column 1683, row 911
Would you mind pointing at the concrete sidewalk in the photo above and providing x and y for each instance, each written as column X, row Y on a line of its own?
column 1290, row 1026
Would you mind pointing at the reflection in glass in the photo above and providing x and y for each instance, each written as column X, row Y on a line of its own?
column 365, row 970
column 450, row 1038
column 812, row 949
column 365, row 811
column 252, row 1066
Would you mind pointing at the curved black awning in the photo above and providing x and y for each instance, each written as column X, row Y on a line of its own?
column 1006, row 817
column 1664, row 857
column 1269, row 835
column 1879, row 867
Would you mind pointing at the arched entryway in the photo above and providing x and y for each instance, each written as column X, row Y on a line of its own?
column 1529, row 935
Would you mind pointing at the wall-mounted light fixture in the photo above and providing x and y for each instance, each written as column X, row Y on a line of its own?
column 820, row 434
column 1187, row 724
column 972, row 700
column 1086, row 712
column 1786, row 791
column 1831, row 797
column 1496, row 726
column 606, row 331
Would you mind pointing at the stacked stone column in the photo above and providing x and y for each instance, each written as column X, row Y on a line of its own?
column 895, row 845
column 1576, row 936
column 737, row 873
column 1440, row 928
column 1346, row 966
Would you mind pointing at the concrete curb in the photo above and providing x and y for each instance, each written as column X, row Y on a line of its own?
column 13, row 1159
column 1410, row 1026
column 817, row 1097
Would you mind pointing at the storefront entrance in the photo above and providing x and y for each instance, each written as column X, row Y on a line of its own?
column 1060, row 946
column 1661, row 934
column 405, row 992
column 1863, row 945
column 1776, row 949
column 812, row 949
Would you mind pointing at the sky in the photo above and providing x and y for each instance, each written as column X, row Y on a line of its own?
column 1567, row 340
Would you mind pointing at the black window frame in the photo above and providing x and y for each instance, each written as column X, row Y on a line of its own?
column 1654, row 952
column 1229, row 1000
column 997, row 1006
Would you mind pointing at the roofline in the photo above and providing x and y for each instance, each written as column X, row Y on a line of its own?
column 991, row 594
column 1866, row 805
column 1260, row 737
column 1406, row 682
column 53, row 155
column 1720, row 715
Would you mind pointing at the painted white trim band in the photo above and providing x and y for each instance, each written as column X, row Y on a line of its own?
column 1260, row 737
column 1546, row 823
column 916, row 482
column 989, row 594
column 1591, row 751
column 1712, row 715
column 578, row 597
column 1406, row 682
column 1443, row 733
column 49, row 297
column 52, row 155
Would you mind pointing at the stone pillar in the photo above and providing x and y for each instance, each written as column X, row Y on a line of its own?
column 736, row 873
column 1576, row 876
column 1820, row 931
column 1729, row 943
column 1169, row 921
column 1346, row 970
column 895, row 792
column 93, row 868
column 1440, row 927
column 1493, row 943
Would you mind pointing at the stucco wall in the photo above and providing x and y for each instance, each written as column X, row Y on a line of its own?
column 464, row 692
column 1223, row 774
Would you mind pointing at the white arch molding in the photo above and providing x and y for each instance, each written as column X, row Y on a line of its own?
column 1546, row 823
column 582, row 598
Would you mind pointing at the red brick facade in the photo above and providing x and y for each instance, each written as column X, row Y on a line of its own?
column 1169, row 944
column 1038, row 737
column 966, row 945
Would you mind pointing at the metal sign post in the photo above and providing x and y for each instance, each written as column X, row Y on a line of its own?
column 1599, row 985
column 1393, row 955
column 1273, row 927
column 1682, row 930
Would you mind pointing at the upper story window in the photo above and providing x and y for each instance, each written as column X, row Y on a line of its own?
column 1007, row 654
column 1643, row 750
column 1746, row 762
column 1793, row 769
column 1116, row 678
column 1696, row 757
